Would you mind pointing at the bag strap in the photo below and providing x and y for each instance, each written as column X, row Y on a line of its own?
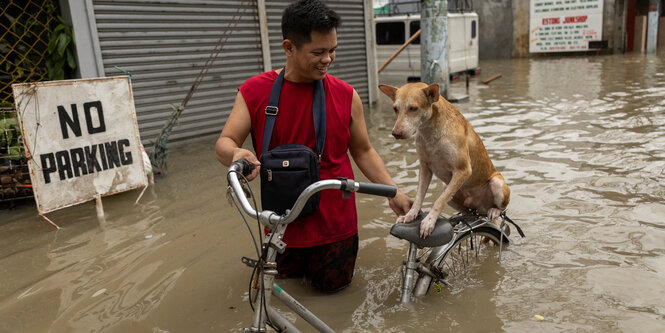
column 318, row 111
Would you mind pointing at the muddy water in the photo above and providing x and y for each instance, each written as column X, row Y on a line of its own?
column 579, row 139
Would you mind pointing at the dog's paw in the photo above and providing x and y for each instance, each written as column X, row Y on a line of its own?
column 493, row 213
column 410, row 216
column 427, row 225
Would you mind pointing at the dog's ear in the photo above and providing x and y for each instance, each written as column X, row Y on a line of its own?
column 432, row 93
column 390, row 91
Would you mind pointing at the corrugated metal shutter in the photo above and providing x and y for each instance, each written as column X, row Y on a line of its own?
column 164, row 44
column 350, row 63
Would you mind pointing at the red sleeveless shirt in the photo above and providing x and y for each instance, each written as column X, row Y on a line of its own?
column 336, row 218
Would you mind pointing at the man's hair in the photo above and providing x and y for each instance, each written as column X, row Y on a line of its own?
column 304, row 16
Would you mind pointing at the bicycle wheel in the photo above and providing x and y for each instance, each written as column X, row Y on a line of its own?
column 460, row 263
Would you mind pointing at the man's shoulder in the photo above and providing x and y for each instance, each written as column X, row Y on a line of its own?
column 337, row 83
column 265, row 79
column 256, row 89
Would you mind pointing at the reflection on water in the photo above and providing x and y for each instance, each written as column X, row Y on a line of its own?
column 578, row 139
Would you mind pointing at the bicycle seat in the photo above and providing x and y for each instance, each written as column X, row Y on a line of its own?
column 442, row 233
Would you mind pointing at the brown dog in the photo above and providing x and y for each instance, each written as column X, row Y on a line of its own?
column 449, row 148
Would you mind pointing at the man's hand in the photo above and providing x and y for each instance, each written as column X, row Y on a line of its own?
column 239, row 153
column 400, row 204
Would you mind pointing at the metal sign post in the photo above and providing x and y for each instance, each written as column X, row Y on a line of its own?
column 434, row 44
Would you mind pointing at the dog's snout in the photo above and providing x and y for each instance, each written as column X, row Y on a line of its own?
column 398, row 135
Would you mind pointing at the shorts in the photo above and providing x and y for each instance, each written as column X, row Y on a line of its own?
column 329, row 267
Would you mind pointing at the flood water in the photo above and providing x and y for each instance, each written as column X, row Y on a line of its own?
column 579, row 140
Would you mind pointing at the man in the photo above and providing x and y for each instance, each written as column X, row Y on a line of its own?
column 322, row 246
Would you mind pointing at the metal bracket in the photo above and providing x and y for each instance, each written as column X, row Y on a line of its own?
column 347, row 187
column 249, row 262
column 437, row 274
column 276, row 243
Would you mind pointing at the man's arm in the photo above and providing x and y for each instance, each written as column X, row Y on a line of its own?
column 233, row 135
column 368, row 160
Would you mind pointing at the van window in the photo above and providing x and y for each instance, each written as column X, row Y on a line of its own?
column 473, row 29
column 390, row 33
column 413, row 28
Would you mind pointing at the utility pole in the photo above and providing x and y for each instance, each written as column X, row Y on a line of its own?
column 652, row 34
column 434, row 44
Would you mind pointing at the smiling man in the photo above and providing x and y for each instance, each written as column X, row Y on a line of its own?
column 322, row 246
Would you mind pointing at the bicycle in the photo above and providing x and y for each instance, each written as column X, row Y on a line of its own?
column 454, row 241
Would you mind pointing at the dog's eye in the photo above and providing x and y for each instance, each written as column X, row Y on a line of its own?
column 413, row 108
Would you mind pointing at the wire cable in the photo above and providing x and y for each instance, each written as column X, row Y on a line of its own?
column 242, row 215
column 261, row 254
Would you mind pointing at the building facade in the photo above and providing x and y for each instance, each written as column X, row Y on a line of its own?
column 166, row 44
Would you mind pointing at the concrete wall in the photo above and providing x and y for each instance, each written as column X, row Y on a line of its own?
column 495, row 21
column 504, row 27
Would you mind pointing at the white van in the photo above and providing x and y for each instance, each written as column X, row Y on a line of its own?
column 393, row 31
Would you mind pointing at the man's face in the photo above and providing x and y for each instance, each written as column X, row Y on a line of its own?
column 310, row 61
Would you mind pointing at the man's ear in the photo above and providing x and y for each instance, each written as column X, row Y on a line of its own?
column 288, row 46
column 390, row 91
column 432, row 93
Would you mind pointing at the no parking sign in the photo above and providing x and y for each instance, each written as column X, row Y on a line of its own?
column 82, row 139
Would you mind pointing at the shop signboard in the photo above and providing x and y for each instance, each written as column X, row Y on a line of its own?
column 81, row 138
column 564, row 25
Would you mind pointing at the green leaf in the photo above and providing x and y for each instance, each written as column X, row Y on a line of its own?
column 49, row 68
column 71, row 61
column 15, row 153
column 58, row 73
column 9, row 123
column 60, row 63
column 58, row 28
column 52, row 43
column 50, row 7
column 62, row 44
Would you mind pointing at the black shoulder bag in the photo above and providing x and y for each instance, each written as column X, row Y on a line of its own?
column 286, row 170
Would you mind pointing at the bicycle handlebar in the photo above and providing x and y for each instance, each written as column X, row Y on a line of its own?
column 245, row 167
column 383, row 190
column 348, row 185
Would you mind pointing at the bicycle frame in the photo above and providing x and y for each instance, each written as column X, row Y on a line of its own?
column 264, row 285
column 425, row 275
column 272, row 244
column 263, row 310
